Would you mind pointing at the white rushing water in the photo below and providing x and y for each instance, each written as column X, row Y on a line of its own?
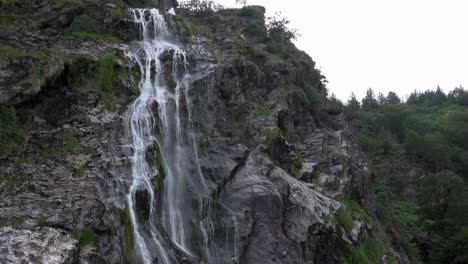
column 162, row 115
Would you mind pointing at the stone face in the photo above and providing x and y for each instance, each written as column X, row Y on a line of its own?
column 272, row 175
column 46, row 245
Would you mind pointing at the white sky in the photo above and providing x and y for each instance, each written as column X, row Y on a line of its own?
column 398, row 45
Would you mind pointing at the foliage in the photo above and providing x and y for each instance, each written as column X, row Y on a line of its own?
column 369, row 102
column 429, row 129
column 86, row 27
column 251, row 11
column 346, row 211
column 262, row 110
column 201, row 5
column 101, row 77
column 254, row 29
column 353, row 104
column 86, row 236
column 116, row 12
column 279, row 35
column 128, row 231
column 79, row 172
column 370, row 252
column 101, row 131
column 18, row 53
column 12, row 136
column 41, row 221
column 345, row 218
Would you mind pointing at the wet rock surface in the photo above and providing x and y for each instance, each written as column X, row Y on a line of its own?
column 47, row 245
column 274, row 168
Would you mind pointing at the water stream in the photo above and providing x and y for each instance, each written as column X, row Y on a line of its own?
column 162, row 115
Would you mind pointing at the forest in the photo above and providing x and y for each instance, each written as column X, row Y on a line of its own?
column 426, row 212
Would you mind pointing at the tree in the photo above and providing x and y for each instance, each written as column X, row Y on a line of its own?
column 458, row 96
column 369, row 102
column 413, row 98
column 353, row 104
column 455, row 125
column 392, row 98
column 280, row 34
column 381, row 99
column 444, row 196
column 394, row 119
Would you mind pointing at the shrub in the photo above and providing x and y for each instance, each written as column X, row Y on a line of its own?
column 312, row 97
column 41, row 221
column 12, row 136
column 370, row 252
column 262, row 110
column 86, row 236
column 86, row 27
column 280, row 35
column 116, row 12
column 82, row 24
column 101, row 76
column 254, row 29
column 250, row 11
column 345, row 218
column 78, row 172
column 201, row 5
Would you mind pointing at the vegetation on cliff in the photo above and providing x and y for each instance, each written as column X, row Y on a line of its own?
column 429, row 210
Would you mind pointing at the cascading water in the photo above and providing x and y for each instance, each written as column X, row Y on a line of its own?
column 162, row 115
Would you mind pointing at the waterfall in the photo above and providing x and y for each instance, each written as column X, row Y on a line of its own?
column 161, row 116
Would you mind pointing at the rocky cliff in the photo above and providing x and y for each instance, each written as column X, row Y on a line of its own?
column 287, row 182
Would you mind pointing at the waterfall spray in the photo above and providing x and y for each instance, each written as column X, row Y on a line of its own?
column 161, row 115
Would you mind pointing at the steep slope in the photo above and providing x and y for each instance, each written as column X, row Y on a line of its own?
column 285, row 180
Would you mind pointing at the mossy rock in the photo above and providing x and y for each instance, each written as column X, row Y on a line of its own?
column 155, row 159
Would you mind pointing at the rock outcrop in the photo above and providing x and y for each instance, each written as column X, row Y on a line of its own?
column 278, row 168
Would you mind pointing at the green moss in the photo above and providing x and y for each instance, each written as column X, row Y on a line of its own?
column 370, row 252
column 101, row 132
column 155, row 182
column 70, row 143
column 13, row 222
column 12, row 136
column 236, row 124
column 41, row 221
column 128, row 232
column 345, row 218
column 101, row 76
column 79, row 172
column 262, row 110
column 86, row 27
column 116, row 12
column 153, row 152
column 316, row 172
column 266, row 155
column 18, row 53
column 273, row 134
column 85, row 236
column 295, row 167
column 88, row 150
column 62, row 3
column 345, row 213
column 14, row 182
column 102, row 209
column 254, row 28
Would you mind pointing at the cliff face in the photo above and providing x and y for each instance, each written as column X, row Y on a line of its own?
column 281, row 171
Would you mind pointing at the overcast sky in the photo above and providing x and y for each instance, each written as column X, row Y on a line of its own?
column 398, row 45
